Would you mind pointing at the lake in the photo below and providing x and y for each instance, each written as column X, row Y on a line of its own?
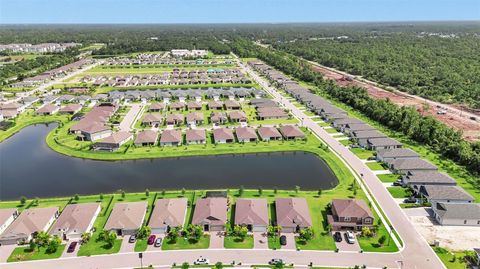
column 29, row 167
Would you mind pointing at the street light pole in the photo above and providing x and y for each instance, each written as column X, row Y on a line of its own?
column 140, row 255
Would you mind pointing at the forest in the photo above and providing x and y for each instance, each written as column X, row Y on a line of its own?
column 425, row 130
column 445, row 69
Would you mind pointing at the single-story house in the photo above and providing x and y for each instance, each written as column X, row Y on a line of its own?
column 403, row 166
column 126, row 218
column 152, row 119
column 232, row 104
column 349, row 214
column 195, row 136
column 418, row 179
column 223, row 135
column 384, row 155
column 177, row 106
column 237, row 116
column 156, row 107
column 94, row 131
column 246, row 134
column 7, row 216
column 252, row 213
column 146, row 138
column 291, row 132
column 292, row 214
column 194, row 105
column 265, row 113
column 30, row 222
column 269, row 133
column 382, row 143
column 195, row 118
column 113, row 142
column 457, row 214
column 48, row 109
column 218, row 118
column 75, row 220
column 215, row 105
column 445, row 194
column 357, row 127
column 70, row 109
column 175, row 119
column 171, row 138
column 363, row 136
column 211, row 213
column 168, row 213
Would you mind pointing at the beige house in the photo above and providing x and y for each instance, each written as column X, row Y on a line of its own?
column 168, row 213
column 30, row 222
column 126, row 218
column 75, row 220
column 211, row 213
column 292, row 214
column 252, row 213
column 7, row 216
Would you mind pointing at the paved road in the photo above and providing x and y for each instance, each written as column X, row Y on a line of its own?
column 416, row 252
column 131, row 117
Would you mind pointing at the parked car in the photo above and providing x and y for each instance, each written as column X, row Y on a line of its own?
column 350, row 237
column 151, row 239
column 71, row 247
column 372, row 158
column 275, row 261
column 397, row 183
column 337, row 236
column 158, row 242
column 201, row 261
column 410, row 200
column 283, row 240
column 132, row 239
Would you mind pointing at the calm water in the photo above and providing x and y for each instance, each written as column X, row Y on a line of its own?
column 29, row 167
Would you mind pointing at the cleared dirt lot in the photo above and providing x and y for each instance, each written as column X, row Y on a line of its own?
column 451, row 237
column 470, row 128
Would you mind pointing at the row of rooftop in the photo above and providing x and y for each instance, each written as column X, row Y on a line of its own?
column 37, row 48
column 434, row 186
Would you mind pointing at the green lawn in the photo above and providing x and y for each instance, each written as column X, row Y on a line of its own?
column 274, row 242
column 141, row 245
column 362, row 153
column 376, row 166
column 370, row 244
column 399, row 192
column 388, row 178
column 184, row 243
column 235, row 242
column 345, row 142
column 452, row 260
column 26, row 254
column 331, row 130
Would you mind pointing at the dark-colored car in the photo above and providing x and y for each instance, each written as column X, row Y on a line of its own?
column 71, row 247
column 151, row 239
column 410, row 200
column 337, row 236
column 283, row 240
column 397, row 183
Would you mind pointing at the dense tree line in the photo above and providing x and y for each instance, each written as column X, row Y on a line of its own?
column 31, row 67
column 425, row 130
column 445, row 69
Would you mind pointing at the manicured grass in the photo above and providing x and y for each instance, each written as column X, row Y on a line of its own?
column 345, row 142
column 362, row 153
column 26, row 254
column 376, row 166
column 331, row 130
column 184, row 243
column 388, row 178
column 399, row 192
column 324, row 124
column 370, row 244
column 274, row 242
column 452, row 260
column 141, row 245
column 235, row 242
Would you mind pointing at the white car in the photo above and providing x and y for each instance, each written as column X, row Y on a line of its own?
column 201, row 261
column 350, row 237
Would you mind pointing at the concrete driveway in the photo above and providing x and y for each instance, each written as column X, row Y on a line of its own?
column 5, row 252
column 290, row 241
column 260, row 240
column 126, row 246
column 345, row 246
column 216, row 240
column 152, row 246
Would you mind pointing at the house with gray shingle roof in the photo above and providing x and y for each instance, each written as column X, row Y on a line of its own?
column 292, row 214
column 362, row 136
column 223, row 135
column 418, row 179
column 388, row 155
column 403, row 166
column 269, row 133
column 126, row 218
column 383, row 143
column 445, row 194
column 146, row 138
column 113, row 142
column 246, row 134
column 168, row 213
column 291, row 132
column 457, row 214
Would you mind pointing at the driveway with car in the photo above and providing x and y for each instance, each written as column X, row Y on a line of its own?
column 290, row 241
column 345, row 246
column 126, row 245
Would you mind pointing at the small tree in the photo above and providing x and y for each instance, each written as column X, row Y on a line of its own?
column 185, row 265
column 241, row 190
column 123, row 194
column 144, row 232
column 260, row 191
column 53, row 244
column 306, row 234
column 110, row 239
column 32, row 245
column 147, row 192
column 319, row 193
column 367, row 232
column 76, row 197
column 172, row 234
column 86, row 236
column 23, row 200
column 218, row 265
column 382, row 239
column 42, row 239
column 183, row 191
column 36, row 201
column 240, row 231
column 275, row 190
column 194, row 232
column 297, row 189
column 101, row 196
column 163, row 192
